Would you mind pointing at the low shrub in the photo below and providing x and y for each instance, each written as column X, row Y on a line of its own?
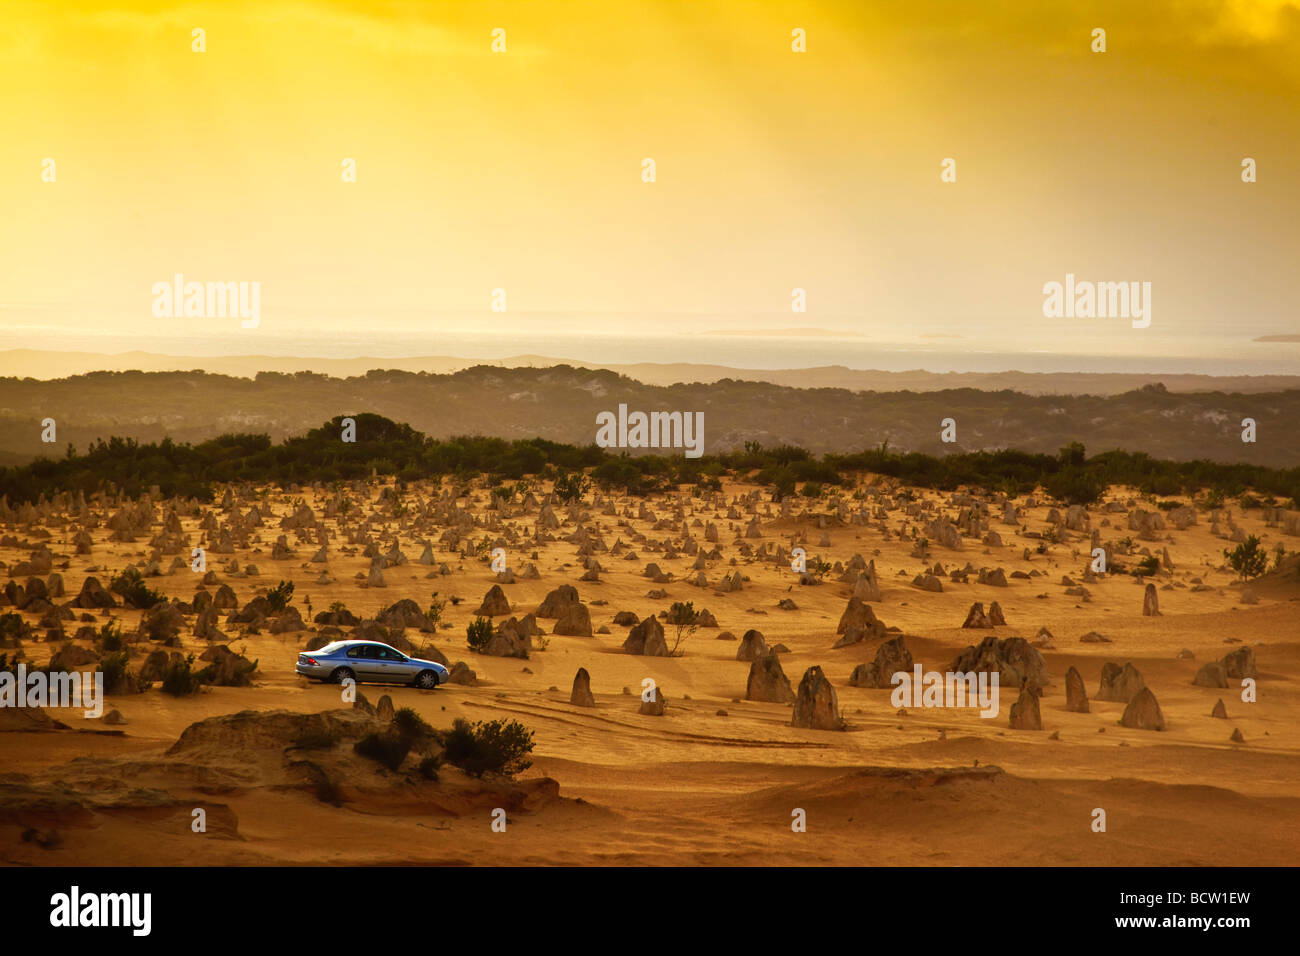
column 478, row 632
column 117, row 678
column 110, row 637
column 179, row 679
column 494, row 746
column 135, row 593
column 280, row 596
column 410, row 725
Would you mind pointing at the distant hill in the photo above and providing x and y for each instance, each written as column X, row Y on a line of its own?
column 561, row 403
column 45, row 364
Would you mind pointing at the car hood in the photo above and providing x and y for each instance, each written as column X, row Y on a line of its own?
column 434, row 664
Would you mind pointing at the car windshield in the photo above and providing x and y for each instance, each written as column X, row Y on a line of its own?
column 330, row 648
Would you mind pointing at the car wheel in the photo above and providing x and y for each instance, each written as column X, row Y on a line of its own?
column 342, row 674
column 426, row 680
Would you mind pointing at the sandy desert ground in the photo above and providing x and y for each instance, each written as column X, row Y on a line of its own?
column 716, row 778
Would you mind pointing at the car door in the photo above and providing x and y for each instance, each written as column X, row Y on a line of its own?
column 395, row 665
column 368, row 665
column 401, row 670
column 358, row 660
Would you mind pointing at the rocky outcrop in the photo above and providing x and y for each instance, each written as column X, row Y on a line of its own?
column 494, row 603
column 557, row 600
column 752, row 646
column 816, row 706
column 767, row 681
column 976, row 618
column 405, row 613
column 1076, row 695
column 581, row 695
column 461, row 673
column 226, row 668
column 858, row 616
column 93, row 595
column 649, row 632
column 1015, row 661
column 1211, row 674
column 1143, row 713
column 1150, row 602
column 1119, row 684
column 1025, row 712
column 573, row 620
column 1240, row 663
column 656, row 703
column 891, row 658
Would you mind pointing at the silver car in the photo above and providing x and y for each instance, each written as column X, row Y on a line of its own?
column 368, row 662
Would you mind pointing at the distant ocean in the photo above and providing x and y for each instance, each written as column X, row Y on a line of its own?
column 739, row 351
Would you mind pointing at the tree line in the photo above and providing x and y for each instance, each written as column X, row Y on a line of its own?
column 394, row 450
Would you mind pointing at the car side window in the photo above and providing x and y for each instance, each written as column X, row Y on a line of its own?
column 388, row 654
column 357, row 651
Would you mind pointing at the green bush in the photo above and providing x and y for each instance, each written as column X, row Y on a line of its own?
column 179, row 679
column 280, row 596
column 685, row 619
column 116, row 676
column 110, row 637
column 410, row 725
column 1075, row 486
column 1147, row 567
column 478, row 633
column 135, row 593
column 1073, row 455
column 570, row 487
column 429, row 767
column 494, row 746
column 12, row 627
column 129, row 467
column 436, row 607
column 1162, row 485
column 781, row 480
column 1249, row 560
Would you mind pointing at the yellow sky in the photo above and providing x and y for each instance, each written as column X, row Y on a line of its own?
column 775, row 170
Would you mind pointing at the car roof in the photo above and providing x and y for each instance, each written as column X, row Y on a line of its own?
column 336, row 646
column 355, row 641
